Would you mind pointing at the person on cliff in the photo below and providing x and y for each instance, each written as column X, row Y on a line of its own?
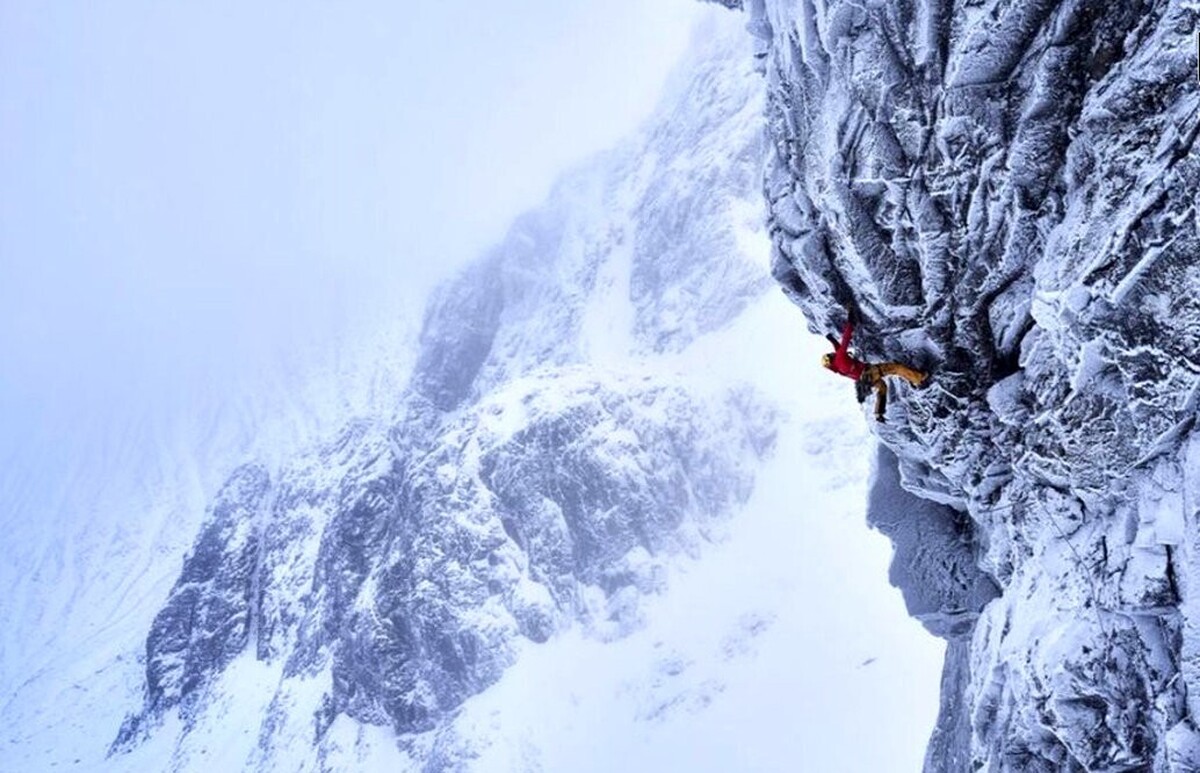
column 867, row 376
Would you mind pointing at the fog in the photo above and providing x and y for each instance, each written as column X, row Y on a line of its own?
column 194, row 198
column 218, row 225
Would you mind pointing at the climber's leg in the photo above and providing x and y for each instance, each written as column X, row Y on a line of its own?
column 880, row 397
column 912, row 376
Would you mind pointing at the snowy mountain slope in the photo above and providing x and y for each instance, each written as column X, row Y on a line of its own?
column 771, row 650
column 97, row 513
column 1007, row 190
column 609, row 522
column 94, row 539
column 581, row 416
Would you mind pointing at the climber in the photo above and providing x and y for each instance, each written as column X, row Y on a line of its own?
column 867, row 376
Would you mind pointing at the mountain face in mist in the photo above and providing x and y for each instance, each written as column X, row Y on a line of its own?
column 544, row 461
column 1007, row 190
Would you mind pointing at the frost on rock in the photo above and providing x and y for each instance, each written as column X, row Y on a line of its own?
column 206, row 621
column 538, row 470
column 1007, row 191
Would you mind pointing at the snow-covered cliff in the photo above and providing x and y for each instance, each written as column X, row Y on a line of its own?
column 545, row 460
column 1007, row 190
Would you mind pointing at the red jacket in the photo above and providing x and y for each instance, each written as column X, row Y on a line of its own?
column 841, row 362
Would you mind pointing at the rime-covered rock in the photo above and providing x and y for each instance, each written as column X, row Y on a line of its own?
column 1007, row 191
column 207, row 619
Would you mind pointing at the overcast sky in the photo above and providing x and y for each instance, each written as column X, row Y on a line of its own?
column 187, row 188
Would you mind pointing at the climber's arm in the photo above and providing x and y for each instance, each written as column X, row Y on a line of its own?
column 847, row 331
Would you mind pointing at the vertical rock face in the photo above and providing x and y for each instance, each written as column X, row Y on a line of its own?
column 934, row 563
column 543, row 462
column 207, row 619
column 1007, row 191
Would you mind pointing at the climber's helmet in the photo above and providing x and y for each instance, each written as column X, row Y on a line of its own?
column 827, row 361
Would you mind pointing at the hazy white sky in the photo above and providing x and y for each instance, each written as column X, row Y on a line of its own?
column 187, row 187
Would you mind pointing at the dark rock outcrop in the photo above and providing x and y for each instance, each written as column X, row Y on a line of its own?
column 451, row 355
column 207, row 618
column 935, row 564
column 209, row 614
